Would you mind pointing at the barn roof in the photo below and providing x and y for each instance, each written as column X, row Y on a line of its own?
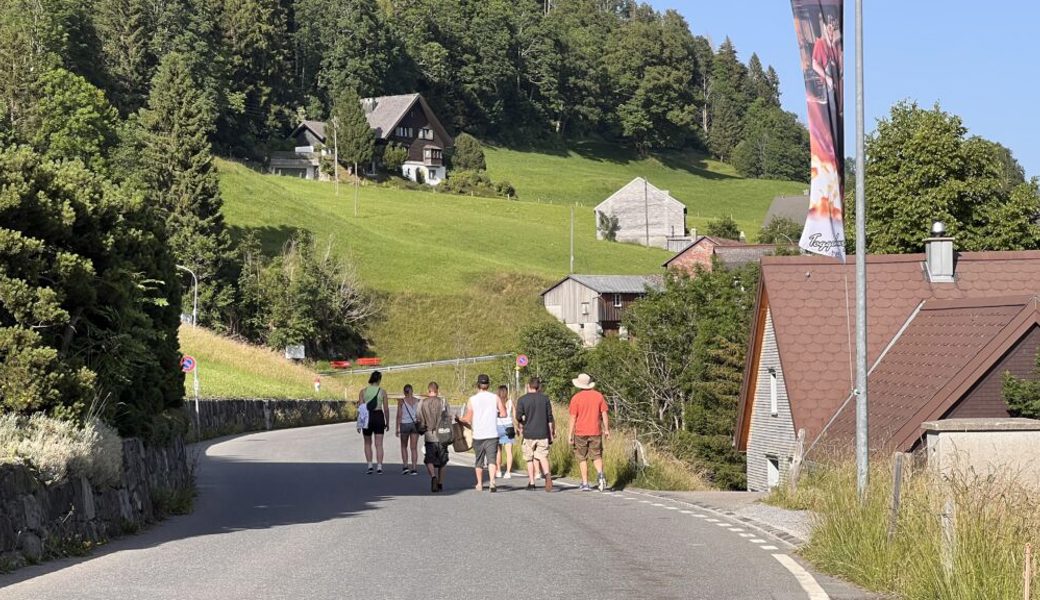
column 639, row 190
column 614, row 284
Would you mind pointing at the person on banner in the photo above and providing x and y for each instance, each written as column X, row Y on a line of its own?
column 376, row 405
column 407, row 432
column 434, row 421
column 534, row 417
column 828, row 64
column 589, row 425
column 482, row 412
column 506, row 425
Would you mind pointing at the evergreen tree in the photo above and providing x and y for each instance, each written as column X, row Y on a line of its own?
column 182, row 179
column 775, row 145
column 761, row 85
column 728, row 101
column 351, row 133
column 469, row 155
column 125, row 29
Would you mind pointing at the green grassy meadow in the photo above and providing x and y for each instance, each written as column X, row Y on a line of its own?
column 459, row 275
column 588, row 172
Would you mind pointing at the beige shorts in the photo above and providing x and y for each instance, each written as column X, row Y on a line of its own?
column 536, row 449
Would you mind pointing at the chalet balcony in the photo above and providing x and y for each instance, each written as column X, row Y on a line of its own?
column 433, row 156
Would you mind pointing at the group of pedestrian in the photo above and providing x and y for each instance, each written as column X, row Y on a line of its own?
column 495, row 422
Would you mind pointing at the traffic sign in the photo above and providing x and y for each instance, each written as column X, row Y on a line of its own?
column 187, row 364
column 521, row 360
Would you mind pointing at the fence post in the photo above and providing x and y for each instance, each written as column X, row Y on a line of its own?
column 897, row 487
column 795, row 471
column 1028, row 574
column 948, row 520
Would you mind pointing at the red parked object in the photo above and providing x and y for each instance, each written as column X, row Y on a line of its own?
column 369, row 362
column 339, row 364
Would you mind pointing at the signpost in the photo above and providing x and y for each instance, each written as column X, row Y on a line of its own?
column 190, row 365
column 521, row 362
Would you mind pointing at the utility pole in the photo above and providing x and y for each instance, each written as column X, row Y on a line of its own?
column 335, row 151
column 862, row 458
column 646, row 211
column 572, row 240
column 195, row 302
column 357, row 191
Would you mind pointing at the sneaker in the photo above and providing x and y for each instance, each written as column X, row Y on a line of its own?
column 602, row 485
column 369, row 471
column 498, row 474
column 585, row 488
column 530, row 486
column 414, row 472
column 508, row 475
column 404, row 471
column 379, row 470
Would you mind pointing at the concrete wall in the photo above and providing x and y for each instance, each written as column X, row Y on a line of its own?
column 770, row 436
column 666, row 219
column 975, row 449
column 38, row 521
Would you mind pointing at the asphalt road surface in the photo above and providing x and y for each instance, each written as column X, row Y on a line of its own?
column 291, row 514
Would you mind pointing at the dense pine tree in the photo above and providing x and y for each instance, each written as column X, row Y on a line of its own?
column 775, row 144
column 350, row 131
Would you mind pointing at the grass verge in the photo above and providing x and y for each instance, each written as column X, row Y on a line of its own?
column 994, row 519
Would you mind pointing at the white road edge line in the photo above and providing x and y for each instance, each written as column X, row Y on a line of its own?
column 805, row 579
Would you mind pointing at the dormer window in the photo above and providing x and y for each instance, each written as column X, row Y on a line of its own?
column 425, row 133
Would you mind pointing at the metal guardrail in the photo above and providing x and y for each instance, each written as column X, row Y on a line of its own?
column 450, row 362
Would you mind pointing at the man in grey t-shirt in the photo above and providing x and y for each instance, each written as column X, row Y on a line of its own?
column 537, row 427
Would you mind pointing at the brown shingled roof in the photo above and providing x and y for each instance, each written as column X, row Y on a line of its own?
column 942, row 352
column 812, row 302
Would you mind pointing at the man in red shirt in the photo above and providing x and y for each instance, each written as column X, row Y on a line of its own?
column 589, row 425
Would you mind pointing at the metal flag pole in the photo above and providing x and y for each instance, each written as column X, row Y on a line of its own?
column 862, row 459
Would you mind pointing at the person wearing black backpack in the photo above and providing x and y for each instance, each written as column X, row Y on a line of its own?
column 434, row 421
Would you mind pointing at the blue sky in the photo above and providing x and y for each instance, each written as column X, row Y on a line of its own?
column 980, row 60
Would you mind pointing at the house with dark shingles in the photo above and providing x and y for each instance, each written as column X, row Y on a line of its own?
column 593, row 305
column 645, row 215
column 942, row 329
column 706, row 251
column 406, row 120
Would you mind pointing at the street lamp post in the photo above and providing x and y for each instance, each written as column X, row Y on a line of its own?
column 195, row 302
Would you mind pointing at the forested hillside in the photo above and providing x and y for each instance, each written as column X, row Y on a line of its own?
column 511, row 71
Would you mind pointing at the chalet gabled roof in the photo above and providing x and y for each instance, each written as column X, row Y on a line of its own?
column 947, row 347
column 812, row 303
column 638, row 190
column 614, row 284
column 383, row 114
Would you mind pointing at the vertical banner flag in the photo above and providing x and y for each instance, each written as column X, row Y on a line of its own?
column 818, row 25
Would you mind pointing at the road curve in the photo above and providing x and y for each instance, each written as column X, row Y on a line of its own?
column 291, row 514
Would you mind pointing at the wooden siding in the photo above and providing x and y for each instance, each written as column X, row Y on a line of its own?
column 565, row 300
column 769, row 436
column 610, row 313
column 417, row 119
column 986, row 399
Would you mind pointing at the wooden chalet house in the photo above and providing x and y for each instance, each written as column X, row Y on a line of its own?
column 593, row 305
column 406, row 120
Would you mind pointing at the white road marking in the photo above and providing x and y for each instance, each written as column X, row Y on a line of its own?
column 657, row 505
column 768, row 547
column 700, row 516
column 746, row 535
column 735, row 529
column 644, row 502
column 713, row 520
column 805, row 579
column 686, row 512
column 671, row 508
column 723, row 524
column 757, row 541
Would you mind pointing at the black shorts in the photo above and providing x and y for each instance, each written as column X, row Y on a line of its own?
column 436, row 454
column 376, row 424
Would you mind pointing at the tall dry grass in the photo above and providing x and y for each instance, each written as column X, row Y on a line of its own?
column 994, row 517
column 58, row 449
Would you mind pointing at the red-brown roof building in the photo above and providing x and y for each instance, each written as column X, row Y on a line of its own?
column 942, row 329
column 729, row 253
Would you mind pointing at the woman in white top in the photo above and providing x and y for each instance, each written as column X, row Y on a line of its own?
column 407, row 412
column 505, row 443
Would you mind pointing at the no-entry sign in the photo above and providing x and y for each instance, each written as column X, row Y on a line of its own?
column 187, row 364
column 521, row 360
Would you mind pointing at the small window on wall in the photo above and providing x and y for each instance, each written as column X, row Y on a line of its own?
column 617, row 300
column 773, row 400
column 426, row 133
column 584, row 308
column 772, row 471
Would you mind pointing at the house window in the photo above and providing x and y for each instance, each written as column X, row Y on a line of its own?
column 773, row 408
column 772, row 471
column 425, row 133
column 403, row 132
column 617, row 300
column 584, row 308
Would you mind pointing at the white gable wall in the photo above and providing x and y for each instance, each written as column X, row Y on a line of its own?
column 565, row 303
column 769, row 436
column 665, row 215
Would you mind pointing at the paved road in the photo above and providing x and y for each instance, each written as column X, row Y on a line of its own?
column 291, row 514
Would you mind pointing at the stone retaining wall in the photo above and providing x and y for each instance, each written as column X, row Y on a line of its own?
column 38, row 521
column 217, row 417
